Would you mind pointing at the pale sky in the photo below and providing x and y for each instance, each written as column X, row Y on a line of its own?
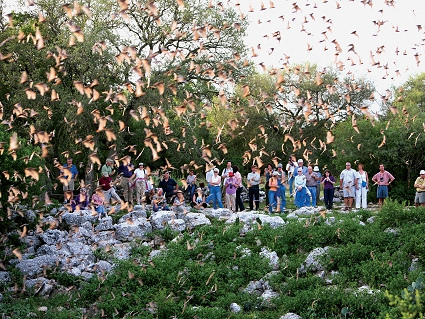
column 307, row 29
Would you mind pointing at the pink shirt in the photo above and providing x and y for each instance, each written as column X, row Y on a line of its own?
column 382, row 179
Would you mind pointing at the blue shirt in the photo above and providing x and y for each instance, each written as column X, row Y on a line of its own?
column 73, row 170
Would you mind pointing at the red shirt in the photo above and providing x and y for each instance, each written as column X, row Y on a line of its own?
column 105, row 182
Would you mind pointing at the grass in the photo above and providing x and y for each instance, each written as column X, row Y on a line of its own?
column 204, row 271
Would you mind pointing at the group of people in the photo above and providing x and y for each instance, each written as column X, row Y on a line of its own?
column 304, row 184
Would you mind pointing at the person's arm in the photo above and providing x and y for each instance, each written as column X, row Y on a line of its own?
column 391, row 178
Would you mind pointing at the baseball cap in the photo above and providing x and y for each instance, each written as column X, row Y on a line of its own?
column 316, row 168
column 422, row 172
column 300, row 161
column 279, row 165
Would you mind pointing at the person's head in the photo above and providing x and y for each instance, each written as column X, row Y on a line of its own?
column 422, row 173
column 300, row 162
column 229, row 164
column 159, row 191
column 316, row 169
column 141, row 166
column 202, row 185
column 216, row 171
column 254, row 168
column 191, row 172
column 105, row 174
column 199, row 190
column 235, row 169
column 360, row 167
column 69, row 160
column 327, row 173
column 166, row 175
column 269, row 167
column 231, row 174
column 279, row 166
column 310, row 169
column 109, row 161
column 381, row 167
column 83, row 190
column 299, row 171
column 348, row 165
column 275, row 174
column 179, row 193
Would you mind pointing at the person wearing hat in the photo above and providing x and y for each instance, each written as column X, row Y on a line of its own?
column 81, row 201
column 231, row 186
column 108, row 167
column 138, row 180
column 198, row 200
column 126, row 170
column 317, row 171
column 178, row 202
column 273, row 187
column 215, row 189
column 108, row 189
column 420, row 189
column 300, row 188
column 300, row 163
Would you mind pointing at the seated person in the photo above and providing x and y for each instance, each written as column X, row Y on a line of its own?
column 168, row 185
column 81, row 201
column 159, row 202
column 198, row 200
column 178, row 203
column 98, row 204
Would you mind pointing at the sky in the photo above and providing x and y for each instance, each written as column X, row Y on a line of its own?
column 383, row 41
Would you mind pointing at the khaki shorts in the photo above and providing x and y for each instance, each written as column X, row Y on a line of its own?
column 70, row 186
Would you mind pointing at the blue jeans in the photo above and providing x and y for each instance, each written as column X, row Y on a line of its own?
column 191, row 189
column 291, row 184
column 209, row 197
column 311, row 200
column 300, row 197
column 281, row 193
column 216, row 196
column 272, row 200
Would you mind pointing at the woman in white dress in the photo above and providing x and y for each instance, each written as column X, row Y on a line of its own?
column 363, row 187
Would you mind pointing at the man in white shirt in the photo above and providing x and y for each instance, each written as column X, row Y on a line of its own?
column 348, row 181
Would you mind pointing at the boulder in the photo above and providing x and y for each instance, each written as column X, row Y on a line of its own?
column 195, row 219
column 177, row 225
column 53, row 236
column 159, row 220
column 135, row 214
column 32, row 267
column 132, row 229
column 291, row 315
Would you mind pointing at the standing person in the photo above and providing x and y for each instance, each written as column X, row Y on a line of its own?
column 348, row 181
column 231, row 187
column 215, row 182
column 70, row 173
column 208, row 175
column 317, row 171
column 420, row 189
column 301, row 165
column 290, row 169
column 138, row 180
column 383, row 178
column 253, row 179
column 126, row 169
column 362, row 187
column 108, row 167
column 226, row 171
column 268, row 171
column 311, row 183
column 281, row 190
column 238, row 178
column 300, row 188
column 168, row 185
column 328, row 182
column 191, row 183
column 108, row 189
column 273, row 187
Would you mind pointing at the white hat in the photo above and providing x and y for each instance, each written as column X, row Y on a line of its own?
column 422, row 172
column 141, row 164
column 216, row 170
column 316, row 168
column 300, row 160
column 275, row 173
